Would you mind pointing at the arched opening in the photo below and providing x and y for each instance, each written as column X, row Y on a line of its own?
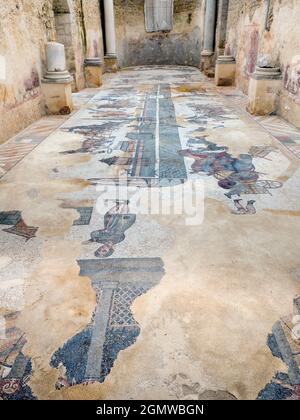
column 63, row 32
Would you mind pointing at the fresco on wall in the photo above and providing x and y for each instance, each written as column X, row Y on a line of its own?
column 251, row 48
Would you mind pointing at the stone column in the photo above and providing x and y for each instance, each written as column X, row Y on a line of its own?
column 93, row 72
column 57, row 82
column 110, row 34
column 225, row 70
column 221, row 27
column 264, row 88
column 209, row 35
column 99, row 330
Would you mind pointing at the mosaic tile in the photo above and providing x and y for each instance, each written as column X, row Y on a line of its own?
column 85, row 216
column 284, row 386
column 10, row 217
column 89, row 356
column 15, row 367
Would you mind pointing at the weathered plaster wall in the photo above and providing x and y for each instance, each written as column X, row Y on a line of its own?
column 137, row 47
column 25, row 27
column 247, row 38
column 22, row 38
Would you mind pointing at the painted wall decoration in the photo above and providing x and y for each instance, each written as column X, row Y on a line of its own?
column 89, row 356
column 237, row 175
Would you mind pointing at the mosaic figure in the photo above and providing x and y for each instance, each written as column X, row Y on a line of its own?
column 98, row 138
column 89, row 356
column 15, row 367
column 237, row 175
column 240, row 209
column 285, row 345
column 116, row 222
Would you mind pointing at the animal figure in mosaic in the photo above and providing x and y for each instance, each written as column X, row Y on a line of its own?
column 116, row 222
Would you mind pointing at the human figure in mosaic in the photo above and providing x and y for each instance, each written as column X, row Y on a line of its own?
column 116, row 222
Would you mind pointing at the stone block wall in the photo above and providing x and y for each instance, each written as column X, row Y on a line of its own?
column 250, row 33
column 180, row 46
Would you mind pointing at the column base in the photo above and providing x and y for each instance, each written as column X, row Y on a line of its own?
column 58, row 97
column 111, row 63
column 93, row 72
column 207, row 63
column 225, row 71
column 263, row 92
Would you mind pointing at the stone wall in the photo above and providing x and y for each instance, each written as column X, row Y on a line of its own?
column 180, row 46
column 25, row 27
column 250, row 33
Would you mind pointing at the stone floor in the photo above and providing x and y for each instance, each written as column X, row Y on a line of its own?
column 101, row 298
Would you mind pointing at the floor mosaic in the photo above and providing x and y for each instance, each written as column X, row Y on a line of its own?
column 122, row 304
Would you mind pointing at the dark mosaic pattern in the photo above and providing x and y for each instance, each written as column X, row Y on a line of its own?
column 89, row 356
column 85, row 216
column 284, row 386
column 15, row 367
column 19, row 228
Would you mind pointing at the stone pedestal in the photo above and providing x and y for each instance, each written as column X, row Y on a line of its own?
column 207, row 62
column 225, row 70
column 57, row 82
column 93, row 72
column 111, row 63
column 264, row 88
column 58, row 97
column 207, row 54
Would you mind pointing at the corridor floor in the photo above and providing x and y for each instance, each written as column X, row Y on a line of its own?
column 101, row 301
